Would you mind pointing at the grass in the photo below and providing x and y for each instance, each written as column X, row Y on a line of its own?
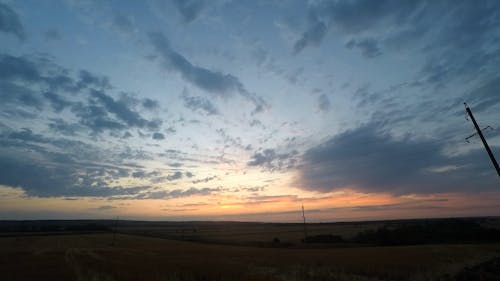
column 92, row 257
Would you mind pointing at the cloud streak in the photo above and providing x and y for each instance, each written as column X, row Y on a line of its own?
column 214, row 82
column 10, row 22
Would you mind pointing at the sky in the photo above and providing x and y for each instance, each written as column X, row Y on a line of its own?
column 247, row 110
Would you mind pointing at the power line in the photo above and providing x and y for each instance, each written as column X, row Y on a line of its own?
column 480, row 133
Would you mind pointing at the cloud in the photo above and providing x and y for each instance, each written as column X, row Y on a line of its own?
column 324, row 103
column 105, row 208
column 205, row 180
column 122, row 111
column 150, row 104
column 89, row 80
column 214, row 82
column 123, row 23
column 14, row 95
column 57, row 102
column 189, row 9
column 369, row 159
column 27, row 135
column 486, row 95
column 14, row 68
column 58, row 177
column 96, row 118
column 22, row 78
column 60, row 126
column 10, row 22
column 352, row 17
column 312, row 36
column 368, row 46
column 177, row 193
column 272, row 161
column 175, row 176
column 158, row 136
column 52, row 35
column 199, row 104
column 56, row 167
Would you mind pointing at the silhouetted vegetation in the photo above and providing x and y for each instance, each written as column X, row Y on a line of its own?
column 486, row 271
column 429, row 232
column 54, row 226
column 324, row 238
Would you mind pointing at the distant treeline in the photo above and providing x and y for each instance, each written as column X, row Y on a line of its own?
column 53, row 226
column 418, row 232
column 453, row 231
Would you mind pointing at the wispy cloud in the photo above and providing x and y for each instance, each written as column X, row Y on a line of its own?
column 214, row 82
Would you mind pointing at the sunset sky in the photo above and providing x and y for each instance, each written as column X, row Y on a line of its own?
column 245, row 110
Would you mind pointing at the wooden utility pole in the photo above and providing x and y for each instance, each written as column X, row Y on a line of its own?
column 304, row 217
column 480, row 133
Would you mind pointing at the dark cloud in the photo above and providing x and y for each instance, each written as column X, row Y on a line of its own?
column 324, row 103
column 217, row 83
column 230, row 141
column 353, row 17
column 150, row 104
column 312, row 36
column 56, row 101
column 91, row 80
column 175, row 176
column 96, row 118
column 189, row 9
column 57, row 167
column 205, row 180
column 99, row 117
column 105, row 208
column 145, row 175
column 23, row 82
column 368, row 47
column 52, row 35
column 21, row 79
column 14, row 68
column 177, row 193
column 57, row 175
column 272, row 161
column 122, row 111
column 361, row 15
column 10, row 22
column 123, row 23
column 158, row 136
column 60, row 126
column 14, row 95
column 370, row 160
column 199, row 104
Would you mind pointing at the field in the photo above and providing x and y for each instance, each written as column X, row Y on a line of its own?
column 231, row 251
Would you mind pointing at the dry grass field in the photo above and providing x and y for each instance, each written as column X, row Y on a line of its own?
column 238, row 233
column 138, row 257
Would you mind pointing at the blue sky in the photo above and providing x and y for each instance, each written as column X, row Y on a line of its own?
column 245, row 110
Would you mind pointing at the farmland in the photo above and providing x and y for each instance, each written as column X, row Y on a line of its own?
column 226, row 251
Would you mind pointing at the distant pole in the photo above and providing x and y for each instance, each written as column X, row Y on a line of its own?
column 480, row 133
column 304, row 217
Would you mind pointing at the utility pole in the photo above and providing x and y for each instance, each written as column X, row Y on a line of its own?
column 480, row 133
column 304, row 217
